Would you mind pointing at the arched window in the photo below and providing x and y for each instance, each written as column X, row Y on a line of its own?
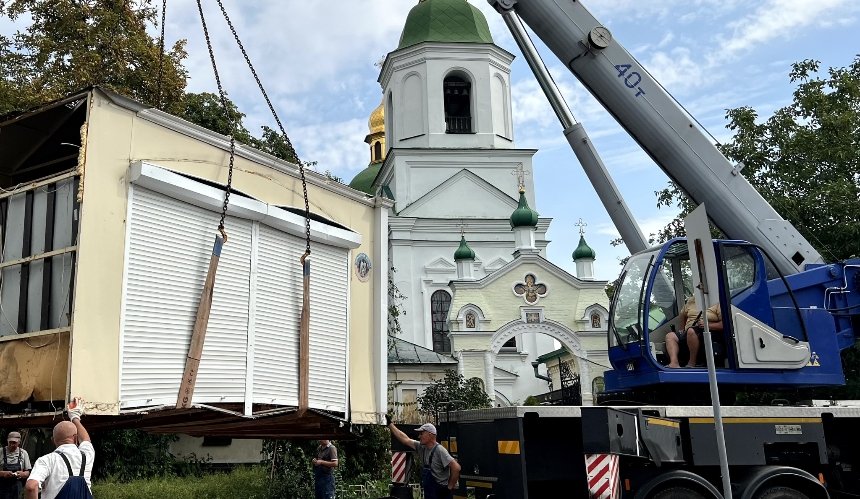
column 377, row 151
column 440, row 302
column 458, row 109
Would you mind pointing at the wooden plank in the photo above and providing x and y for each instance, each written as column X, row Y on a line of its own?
column 198, row 334
column 42, row 183
column 305, row 336
column 40, row 256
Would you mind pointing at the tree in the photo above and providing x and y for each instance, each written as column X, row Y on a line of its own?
column 804, row 160
column 75, row 44
column 453, row 386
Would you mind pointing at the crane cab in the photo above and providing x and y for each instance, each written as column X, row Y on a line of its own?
column 764, row 340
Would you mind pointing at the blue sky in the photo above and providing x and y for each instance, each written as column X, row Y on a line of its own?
column 317, row 58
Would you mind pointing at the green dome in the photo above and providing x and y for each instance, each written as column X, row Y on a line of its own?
column 444, row 21
column 364, row 180
column 583, row 250
column 464, row 252
column 524, row 216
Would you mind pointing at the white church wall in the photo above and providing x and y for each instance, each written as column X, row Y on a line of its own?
column 480, row 63
column 412, row 103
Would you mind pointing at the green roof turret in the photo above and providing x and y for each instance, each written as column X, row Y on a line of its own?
column 583, row 250
column 524, row 216
column 364, row 180
column 445, row 21
column 464, row 252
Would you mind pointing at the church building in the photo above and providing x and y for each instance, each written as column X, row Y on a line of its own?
column 467, row 251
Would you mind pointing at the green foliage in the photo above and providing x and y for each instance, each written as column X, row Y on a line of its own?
column 454, row 387
column 531, row 400
column 125, row 455
column 395, row 304
column 245, row 483
column 71, row 45
column 366, row 458
column 289, row 465
column 276, row 144
column 205, row 109
column 805, row 159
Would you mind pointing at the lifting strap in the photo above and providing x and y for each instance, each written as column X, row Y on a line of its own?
column 304, row 323
column 201, row 321
column 195, row 350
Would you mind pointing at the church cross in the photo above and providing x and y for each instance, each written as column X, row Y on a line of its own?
column 521, row 175
column 581, row 226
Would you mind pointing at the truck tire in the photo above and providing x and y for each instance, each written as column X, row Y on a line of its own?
column 677, row 492
column 779, row 492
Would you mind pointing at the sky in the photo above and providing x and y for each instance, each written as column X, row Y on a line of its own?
column 317, row 61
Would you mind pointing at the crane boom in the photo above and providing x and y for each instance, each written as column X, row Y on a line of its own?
column 664, row 130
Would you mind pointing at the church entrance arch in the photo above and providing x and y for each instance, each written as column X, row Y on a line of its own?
column 555, row 330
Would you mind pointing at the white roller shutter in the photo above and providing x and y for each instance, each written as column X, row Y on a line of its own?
column 278, row 307
column 279, row 301
column 169, row 246
column 168, row 249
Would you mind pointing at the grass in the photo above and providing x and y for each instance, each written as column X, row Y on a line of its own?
column 241, row 483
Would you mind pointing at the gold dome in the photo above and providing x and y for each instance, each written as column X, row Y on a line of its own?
column 376, row 123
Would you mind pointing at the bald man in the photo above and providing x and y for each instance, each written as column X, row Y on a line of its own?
column 51, row 471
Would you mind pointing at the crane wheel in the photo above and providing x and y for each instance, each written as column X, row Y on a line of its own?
column 779, row 492
column 678, row 493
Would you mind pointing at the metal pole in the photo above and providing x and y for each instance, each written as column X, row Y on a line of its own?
column 578, row 139
column 702, row 286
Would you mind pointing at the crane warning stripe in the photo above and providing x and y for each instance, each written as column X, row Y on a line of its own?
column 602, row 471
column 509, row 446
column 398, row 467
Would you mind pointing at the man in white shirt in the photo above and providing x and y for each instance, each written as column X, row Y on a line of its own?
column 73, row 441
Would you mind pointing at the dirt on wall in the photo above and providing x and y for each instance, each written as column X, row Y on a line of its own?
column 35, row 367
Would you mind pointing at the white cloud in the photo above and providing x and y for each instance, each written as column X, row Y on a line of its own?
column 335, row 146
column 778, row 20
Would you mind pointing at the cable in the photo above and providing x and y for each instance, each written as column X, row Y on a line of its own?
column 161, row 54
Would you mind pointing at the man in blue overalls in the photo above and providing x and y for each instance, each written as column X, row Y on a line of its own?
column 324, row 465
column 439, row 471
column 15, row 467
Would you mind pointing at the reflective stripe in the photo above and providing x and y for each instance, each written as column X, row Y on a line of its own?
column 509, row 446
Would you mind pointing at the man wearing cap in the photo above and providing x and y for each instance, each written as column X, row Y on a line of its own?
column 439, row 471
column 16, row 467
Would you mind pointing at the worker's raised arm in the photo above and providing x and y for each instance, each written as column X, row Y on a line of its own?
column 399, row 435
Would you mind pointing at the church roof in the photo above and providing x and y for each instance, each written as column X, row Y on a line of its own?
column 464, row 252
column 444, row 21
column 376, row 122
column 403, row 352
column 583, row 250
column 524, row 216
column 364, row 180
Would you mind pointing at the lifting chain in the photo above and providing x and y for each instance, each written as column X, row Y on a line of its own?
column 159, row 100
column 223, row 97
column 277, row 120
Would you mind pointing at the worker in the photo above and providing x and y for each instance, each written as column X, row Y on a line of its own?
column 324, row 465
column 440, row 472
column 691, row 336
column 69, row 468
column 16, row 467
